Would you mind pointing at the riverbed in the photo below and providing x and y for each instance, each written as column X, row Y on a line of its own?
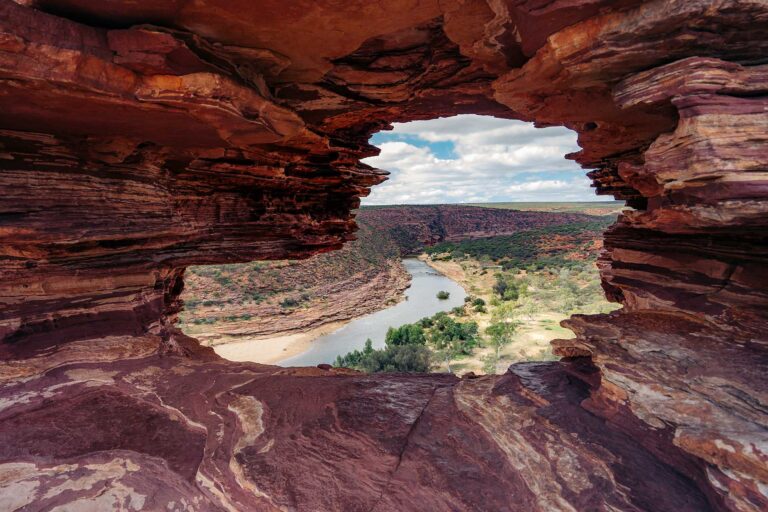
column 420, row 301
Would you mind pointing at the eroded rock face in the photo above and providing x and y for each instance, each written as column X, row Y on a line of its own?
column 200, row 433
column 137, row 138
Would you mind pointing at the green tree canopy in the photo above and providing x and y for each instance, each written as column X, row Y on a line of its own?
column 409, row 358
column 408, row 334
column 501, row 333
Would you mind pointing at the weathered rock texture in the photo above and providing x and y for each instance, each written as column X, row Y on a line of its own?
column 138, row 137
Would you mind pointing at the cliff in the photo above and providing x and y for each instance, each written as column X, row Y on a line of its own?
column 138, row 138
column 414, row 227
column 225, row 303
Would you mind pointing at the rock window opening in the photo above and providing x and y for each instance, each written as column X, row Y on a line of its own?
column 483, row 239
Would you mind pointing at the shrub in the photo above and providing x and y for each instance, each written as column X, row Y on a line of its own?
column 426, row 322
column 511, row 294
column 223, row 280
column 289, row 302
column 443, row 295
column 508, row 288
column 489, row 363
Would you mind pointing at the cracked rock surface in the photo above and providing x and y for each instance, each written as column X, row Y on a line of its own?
column 138, row 138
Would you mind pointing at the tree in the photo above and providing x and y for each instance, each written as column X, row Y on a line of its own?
column 508, row 288
column 443, row 295
column 500, row 286
column 410, row 358
column 408, row 334
column 529, row 308
column 454, row 338
column 407, row 358
column 353, row 359
column 500, row 334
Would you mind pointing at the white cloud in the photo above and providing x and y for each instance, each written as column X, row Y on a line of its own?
column 493, row 160
column 533, row 186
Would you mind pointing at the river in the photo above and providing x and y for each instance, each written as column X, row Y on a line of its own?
column 421, row 300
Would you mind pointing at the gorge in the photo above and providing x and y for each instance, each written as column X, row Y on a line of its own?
column 140, row 138
column 420, row 301
column 306, row 299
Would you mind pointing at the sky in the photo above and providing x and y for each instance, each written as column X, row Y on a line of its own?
column 477, row 159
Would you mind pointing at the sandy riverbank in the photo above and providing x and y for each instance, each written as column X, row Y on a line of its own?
column 449, row 269
column 333, row 304
column 272, row 350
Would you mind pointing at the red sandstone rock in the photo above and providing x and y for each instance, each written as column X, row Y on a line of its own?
column 155, row 432
column 137, row 138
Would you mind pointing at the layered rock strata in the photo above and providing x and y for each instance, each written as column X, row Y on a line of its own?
column 138, row 138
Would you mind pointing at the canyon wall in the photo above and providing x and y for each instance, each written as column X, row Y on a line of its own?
column 226, row 303
column 414, row 227
column 138, row 138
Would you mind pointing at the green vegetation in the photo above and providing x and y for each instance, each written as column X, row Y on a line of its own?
column 408, row 334
column 214, row 294
column 394, row 358
column 522, row 285
column 508, row 288
column 528, row 248
column 412, row 347
column 500, row 333
column 292, row 302
column 571, row 290
column 457, row 338
column 604, row 207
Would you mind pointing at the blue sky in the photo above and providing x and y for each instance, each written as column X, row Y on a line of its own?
column 467, row 159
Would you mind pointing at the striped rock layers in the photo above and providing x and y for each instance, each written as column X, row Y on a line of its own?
column 138, row 137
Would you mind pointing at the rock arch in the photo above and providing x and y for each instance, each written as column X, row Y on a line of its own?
column 137, row 139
